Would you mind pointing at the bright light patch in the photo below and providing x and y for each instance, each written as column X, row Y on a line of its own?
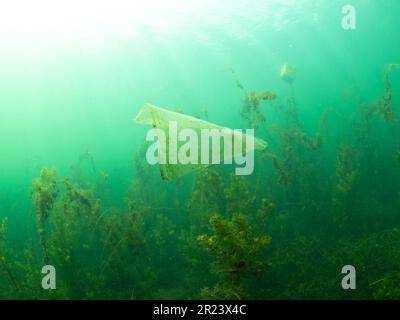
column 57, row 18
column 44, row 19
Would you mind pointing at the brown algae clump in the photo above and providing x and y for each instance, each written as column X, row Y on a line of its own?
column 250, row 108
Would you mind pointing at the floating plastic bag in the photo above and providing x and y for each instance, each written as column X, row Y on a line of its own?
column 173, row 130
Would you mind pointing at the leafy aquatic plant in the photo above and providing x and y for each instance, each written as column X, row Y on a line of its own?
column 44, row 194
column 237, row 253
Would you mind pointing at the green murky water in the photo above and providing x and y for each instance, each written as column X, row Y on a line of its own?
column 77, row 193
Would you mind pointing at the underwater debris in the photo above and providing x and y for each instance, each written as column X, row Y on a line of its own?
column 288, row 73
column 384, row 106
column 178, row 156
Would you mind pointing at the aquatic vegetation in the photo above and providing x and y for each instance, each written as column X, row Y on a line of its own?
column 206, row 197
column 384, row 106
column 326, row 194
column 384, row 289
column 309, row 143
column 250, row 107
column 238, row 83
column 263, row 213
column 376, row 263
column 293, row 143
column 178, row 155
column 5, row 265
column 324, row 119
column 346, row 177
column 239, row 199
column 346, row 172
column 237, row 253
column 44, row 194
column 288, row 73
column 284, row 175
column 397, row 154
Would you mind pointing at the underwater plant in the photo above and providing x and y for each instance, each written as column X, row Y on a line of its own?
column 5, row 265
column 324, row 204
column 264, row 212
column 237, row 253
column 44, row 194
column 346, row 177
column 384, row 106
column 207, row 196
column 239, row 199
column 345, row 170
column 397, row 154
column 250, row 107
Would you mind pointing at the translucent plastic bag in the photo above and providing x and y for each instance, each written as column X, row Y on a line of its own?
column 162, row 119
column 288, row 73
